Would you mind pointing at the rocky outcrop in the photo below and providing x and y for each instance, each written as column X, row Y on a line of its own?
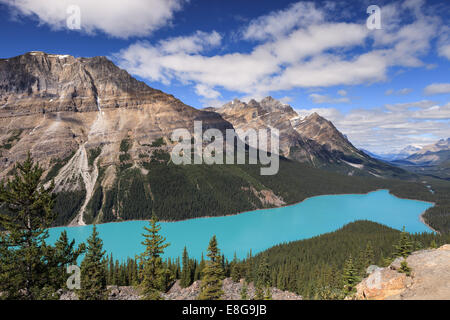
column 232, row 291
column 429, row 279
column 114, row 293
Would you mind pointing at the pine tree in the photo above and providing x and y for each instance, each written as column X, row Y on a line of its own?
column 405, row 246
column 26, row 264
column 262, row 280
column 213, row 274
column 350, row 277
column 244, row 291
column 268, row 294
column 404, row 268
column 433, row 244
column 235, row 269
column 186, row 271
column 155, row 275
column 60, row 256
column 369, row 255
column 93, row 270
column 199, row 269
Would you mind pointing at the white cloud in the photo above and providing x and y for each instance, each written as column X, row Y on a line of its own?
column 342, row 93
column 113, row 17
column 437, row 88
column 444, row 51
column 195, row 43
column 291, row 54
column 206, row 92
column 400, row 92
column 279, row 23
column 319, row 99
column 444, row 42
column 391, row 127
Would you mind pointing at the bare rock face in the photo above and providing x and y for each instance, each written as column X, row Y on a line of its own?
column 52, row 104
column 269, row 113
column 322, row 131
column 429, row 280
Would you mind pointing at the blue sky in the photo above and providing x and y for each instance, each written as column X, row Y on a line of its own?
column 385, row 89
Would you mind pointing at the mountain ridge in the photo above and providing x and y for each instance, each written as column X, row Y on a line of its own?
column 313, row 139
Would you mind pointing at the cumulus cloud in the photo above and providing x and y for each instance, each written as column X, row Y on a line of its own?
column 113, row 17
column 292, row 52
column 391, row 127
column 206, row 92
column 279, row 23
column 195, row 43
column 437, row 88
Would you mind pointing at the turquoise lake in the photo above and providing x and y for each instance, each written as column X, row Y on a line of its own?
column 260, row 229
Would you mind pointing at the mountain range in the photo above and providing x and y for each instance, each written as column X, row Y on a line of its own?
column 104, row 138
column 432, row 160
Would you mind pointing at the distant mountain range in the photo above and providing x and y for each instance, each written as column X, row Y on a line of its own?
column 433, row 159
column 433, row 154
column 402, row 154
column 104, row 138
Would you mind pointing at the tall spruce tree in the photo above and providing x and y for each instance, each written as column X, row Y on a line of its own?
column 60, row 256
column 155, row 275
column 26, row 262
column 262, row 280
column 93, row 270
column 213, row 274
column 350, row 277
column 235, row 269
column 186, row 271
column 404, row 247
column 244, row 291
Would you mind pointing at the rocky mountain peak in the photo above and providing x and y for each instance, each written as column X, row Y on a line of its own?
column 38, row 82
column 59, row 105
column 315, row 116
column 312, row 139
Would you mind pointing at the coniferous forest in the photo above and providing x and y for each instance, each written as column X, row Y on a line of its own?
column 324, row 267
